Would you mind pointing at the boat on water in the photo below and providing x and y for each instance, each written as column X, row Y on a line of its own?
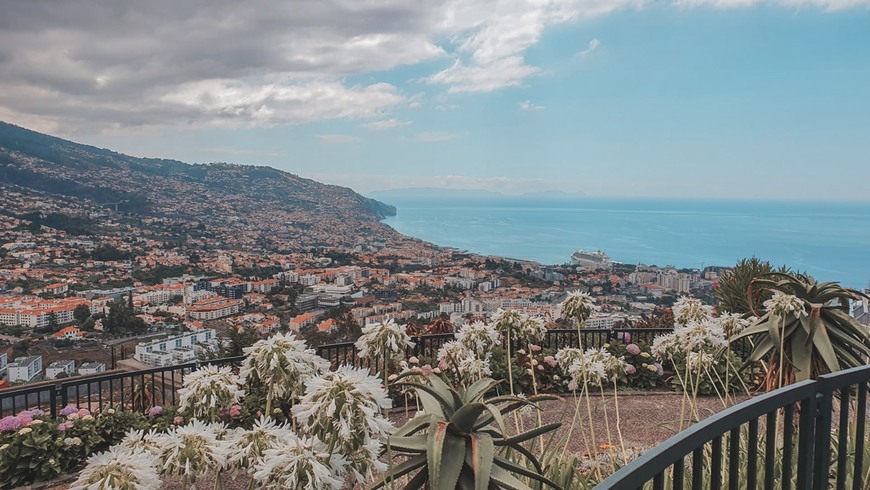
column 595, row 259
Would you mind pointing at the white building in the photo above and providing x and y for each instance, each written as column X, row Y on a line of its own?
column 174, row 350
column 24, row 369
column 214, row 308
column 4, row 360
column 92, row 368
column 57, row 367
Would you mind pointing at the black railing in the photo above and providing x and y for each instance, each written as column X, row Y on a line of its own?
column 136, row 390
column 783, row 439
column 143, row 389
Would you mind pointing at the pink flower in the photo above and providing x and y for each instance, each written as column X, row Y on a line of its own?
column 9, row 423
column 442, row 365
column 550, row 361
column 626, row 337
column 632, row 349
column 25, row 418
column 64, row 426
column 178, row 420
column 235, row 410
column 629, row 369
column 540, row 367
column 259, row 414
column 67, row 410
column 535, row 348
column 84, row 412
column 426, row 369
column 155, row 411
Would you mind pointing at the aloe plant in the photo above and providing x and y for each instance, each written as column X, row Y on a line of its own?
column 460, row 441
column 811, row 335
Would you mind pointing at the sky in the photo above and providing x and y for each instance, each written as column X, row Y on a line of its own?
column 764, row 99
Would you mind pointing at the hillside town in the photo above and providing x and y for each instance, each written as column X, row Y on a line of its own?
column 75, row 301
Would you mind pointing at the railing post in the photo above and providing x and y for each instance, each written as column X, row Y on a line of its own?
column 821, row 458
column 806, row 438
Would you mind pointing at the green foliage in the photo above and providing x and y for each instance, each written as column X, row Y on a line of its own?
column 821, row 337
column 106, row 253
column 82, row 313
column 646, row 373
column 461, row 440
column 733, row 290
column 112, row 424
column 33, row 453
column 122, row 319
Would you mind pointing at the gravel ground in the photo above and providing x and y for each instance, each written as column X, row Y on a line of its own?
column 646, row 419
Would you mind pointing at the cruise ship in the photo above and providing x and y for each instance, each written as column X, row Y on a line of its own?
column 591, row 259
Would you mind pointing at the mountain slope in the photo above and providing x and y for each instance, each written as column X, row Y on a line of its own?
column 261, row 203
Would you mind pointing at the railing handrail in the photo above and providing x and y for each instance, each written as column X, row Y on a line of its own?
column 658, row 459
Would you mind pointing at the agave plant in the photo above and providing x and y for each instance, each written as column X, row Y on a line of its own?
column 806, row 328
column 460, row 440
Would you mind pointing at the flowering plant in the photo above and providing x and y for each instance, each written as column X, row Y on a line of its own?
column 250, row 445
column 280, row 365
column 191, row 451
column 478, row 337
column 119, row 468
column 688, row 310
column 384, row 342
column 300, row 463
column 578, row 306
column 207, row 393
column 344, row 410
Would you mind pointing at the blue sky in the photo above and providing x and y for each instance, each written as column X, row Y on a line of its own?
column 733, row 99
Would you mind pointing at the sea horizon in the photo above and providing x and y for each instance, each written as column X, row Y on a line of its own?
column 826, row 239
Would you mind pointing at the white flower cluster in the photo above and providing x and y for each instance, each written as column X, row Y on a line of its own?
column 119, row 468
column 343, row 409
column 386, row 339
column 707, row 336
column 594, row 367
column 192, row 450
column 301, row 463
column 473, row 368
column 248, row 446
column 783, row 305
column 578, row 306
column 688, row 309
column 282, row 364
column 208, row 391
column 516, row 326
column 733, row 323
column 478, row 337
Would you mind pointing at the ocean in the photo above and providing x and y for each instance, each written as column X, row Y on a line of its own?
column 828, row 240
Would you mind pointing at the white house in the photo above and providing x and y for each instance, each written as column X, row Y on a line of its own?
column 24, row 369
column 56, row 368
column 92, row 368
column 174, row 350
column 4, row 360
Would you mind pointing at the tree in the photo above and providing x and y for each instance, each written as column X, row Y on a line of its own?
column 805, row 329
column 82, row 313
column 732, row 291
column 441, row 324
column 122, row 319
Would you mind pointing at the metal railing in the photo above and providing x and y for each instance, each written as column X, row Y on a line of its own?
column 140, row 390
column 783, row 439
column 136, row 390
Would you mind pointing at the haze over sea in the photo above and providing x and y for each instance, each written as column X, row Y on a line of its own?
column 829, row 240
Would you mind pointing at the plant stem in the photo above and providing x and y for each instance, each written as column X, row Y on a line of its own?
column 618, row 428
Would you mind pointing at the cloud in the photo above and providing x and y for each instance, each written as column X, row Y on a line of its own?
column 385, row 124
column 434, row 137
column 527, row 105
column 593, row 45
column 338, row 138
column 91, row 66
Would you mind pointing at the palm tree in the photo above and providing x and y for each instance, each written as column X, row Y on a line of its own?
column 805, row 328
column 732, row 290
column 441, row 324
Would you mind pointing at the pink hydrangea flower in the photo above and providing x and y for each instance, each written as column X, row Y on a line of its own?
column 235, row 410
column 550, row 361
column 626, row 337
column 426, row 369
column 84, row 412
column 9, row 423
column 68, row 410
column 535, row 348
column 155, row 411
column 629, row 369
column 632, row 349
column 64, row 426
column 178, row 420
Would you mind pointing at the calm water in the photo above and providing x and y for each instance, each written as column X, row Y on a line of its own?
column 831, row 241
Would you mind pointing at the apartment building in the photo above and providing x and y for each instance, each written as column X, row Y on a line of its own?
column 174, row 350
column 24, row 369
column 57, row 368
column 92, row 368
column 214, row 308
